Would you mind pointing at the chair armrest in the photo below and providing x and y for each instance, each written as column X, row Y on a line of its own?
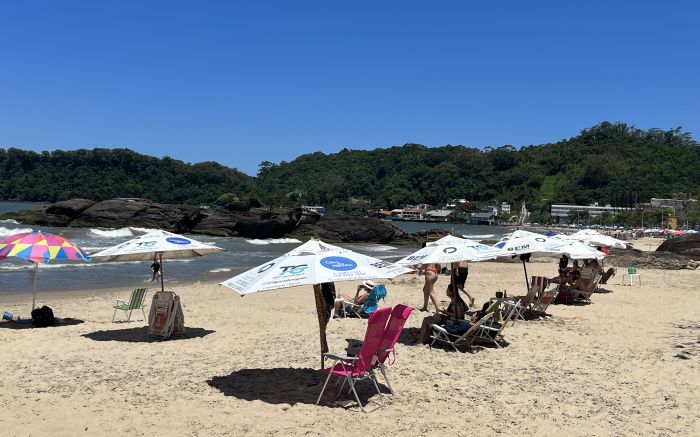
column 122, row 301
column 441, row 329
column 336, row 356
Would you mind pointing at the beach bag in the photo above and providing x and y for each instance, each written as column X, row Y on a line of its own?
column 43, row 317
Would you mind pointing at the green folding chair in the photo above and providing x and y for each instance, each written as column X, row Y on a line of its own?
column 138, row 296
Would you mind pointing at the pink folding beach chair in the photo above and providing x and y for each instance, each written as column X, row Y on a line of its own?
column 398, row 318
column 352, row 369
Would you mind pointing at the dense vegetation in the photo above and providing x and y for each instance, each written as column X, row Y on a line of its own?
column 608, row 163
column 100, row 174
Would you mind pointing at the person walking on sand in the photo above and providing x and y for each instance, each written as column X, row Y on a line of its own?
column 431, row 276
column 462, row 271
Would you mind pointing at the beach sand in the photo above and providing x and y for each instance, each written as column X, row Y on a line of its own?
column 628, row 364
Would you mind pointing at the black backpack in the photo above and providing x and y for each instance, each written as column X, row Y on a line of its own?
column 42, row 317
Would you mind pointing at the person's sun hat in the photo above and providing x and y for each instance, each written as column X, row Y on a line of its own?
column 368, row 284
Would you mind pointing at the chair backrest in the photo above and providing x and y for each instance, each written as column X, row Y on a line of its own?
column 527, row 300
column 539, row 283
column 546, row 299
column 137, row 298
column 495, row 308
column 476, row 326
column 376, row 324
column 377, row 293
column 398, row 318
column 631, row 270
column 510, row 315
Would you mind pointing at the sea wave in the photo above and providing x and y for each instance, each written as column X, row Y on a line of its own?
column 220, row 270
column 273, row 241
column 112, row 233
column 4, row 232
column 374, row 248
column 10, row 221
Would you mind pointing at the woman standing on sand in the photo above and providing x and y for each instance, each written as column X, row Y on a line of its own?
column 461, row 274
column 431, row 276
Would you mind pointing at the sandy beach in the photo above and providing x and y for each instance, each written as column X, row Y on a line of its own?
column 627, row 364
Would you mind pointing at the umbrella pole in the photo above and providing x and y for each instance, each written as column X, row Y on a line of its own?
column 527, row 283
column 36, row 275
column 162, row 287
column 321, row 313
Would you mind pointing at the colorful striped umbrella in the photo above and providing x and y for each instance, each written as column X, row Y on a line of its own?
column 40, row 247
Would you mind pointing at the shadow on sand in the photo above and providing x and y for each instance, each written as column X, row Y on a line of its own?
column 29, row 325
column 291, row 386
column 139, row 335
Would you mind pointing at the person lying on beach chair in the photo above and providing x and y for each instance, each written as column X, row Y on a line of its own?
column 456, row 311
column 365, row 302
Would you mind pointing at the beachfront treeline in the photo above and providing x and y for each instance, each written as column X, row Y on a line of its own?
column 608, row 163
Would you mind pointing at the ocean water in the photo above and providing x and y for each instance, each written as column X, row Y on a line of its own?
column 17, row 274
column 476, row 232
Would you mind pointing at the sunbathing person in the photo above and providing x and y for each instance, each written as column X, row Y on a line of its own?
column 604, row 275
column 360, row 296
column 455, row 311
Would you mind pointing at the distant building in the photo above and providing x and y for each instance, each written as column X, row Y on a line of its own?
column 396, row 213
column 563, row 213
column 505, row 208
column 482, row 218
column 667, row 203
column 412, row 214
column 314, row 209
column 438, row 215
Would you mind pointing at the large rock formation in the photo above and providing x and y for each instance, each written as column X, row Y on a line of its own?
column 232, row 220
column 624, row 258
column 688, row 245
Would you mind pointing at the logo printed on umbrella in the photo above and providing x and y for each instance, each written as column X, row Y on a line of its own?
column 339, row 263
column 380, row 264
column 266, row 267
column 293, row 270
column 501, row 244
column 449, row 250
column 178, row 240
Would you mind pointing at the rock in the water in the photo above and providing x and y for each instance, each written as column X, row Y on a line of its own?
column 253, row 223
column 141, row 213
column 70, row 208
column 688, row 245
column 351, row 230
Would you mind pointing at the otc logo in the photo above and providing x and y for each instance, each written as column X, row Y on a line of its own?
column 178, row 240
column 143, row 244
column 293, row 270
column 266, row 267
column 338, row 263
column 449, row 250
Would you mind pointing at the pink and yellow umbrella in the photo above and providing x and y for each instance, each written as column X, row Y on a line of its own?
column 40, row 247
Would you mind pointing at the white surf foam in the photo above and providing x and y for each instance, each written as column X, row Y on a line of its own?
column 10, row 221
column 273, row 241
column 141, row 230
column 4, row 232
column 220, row 270
column 112, row 233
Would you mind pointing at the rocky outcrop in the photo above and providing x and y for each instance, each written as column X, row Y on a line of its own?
column 352, row 230
column 624, row 258
column 688, row 245
column 233, row 220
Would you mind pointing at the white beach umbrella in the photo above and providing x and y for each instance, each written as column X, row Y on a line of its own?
column 163, row 244
column 575, row 249
column 525, row 242
column 451, row 249
column 313, row 263
column 595, row 238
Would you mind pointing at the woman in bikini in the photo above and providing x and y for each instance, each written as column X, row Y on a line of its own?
column 461, row 274
column 431, row 276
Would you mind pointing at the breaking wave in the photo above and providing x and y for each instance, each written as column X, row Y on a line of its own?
column 273, row 241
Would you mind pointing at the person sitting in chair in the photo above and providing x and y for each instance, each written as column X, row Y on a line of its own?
column 455, row 311
column 360, row 296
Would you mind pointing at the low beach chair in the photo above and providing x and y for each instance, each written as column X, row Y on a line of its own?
column 353, row 369
column 135, row 302
column 545, row 300
column 377, row 293
column 522, row 304
column 441, row 335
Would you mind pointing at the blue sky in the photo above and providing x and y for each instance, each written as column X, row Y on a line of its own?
column 242, row 82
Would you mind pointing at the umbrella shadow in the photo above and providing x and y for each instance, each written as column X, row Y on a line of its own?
column 140, row 335
column 28, row 325
column 285, row 385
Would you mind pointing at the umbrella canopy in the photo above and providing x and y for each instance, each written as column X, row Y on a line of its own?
column 40, row 247
column 525, row 242
column 520, row 242
column 314, row 262
column 451, row 249
column 575, row 249
column 595, row 238
column 162, row 244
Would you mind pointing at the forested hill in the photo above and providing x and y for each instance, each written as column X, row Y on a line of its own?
column 609, row 163
column 101, row 174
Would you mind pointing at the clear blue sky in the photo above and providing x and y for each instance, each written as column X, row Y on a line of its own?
column 240, row 82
